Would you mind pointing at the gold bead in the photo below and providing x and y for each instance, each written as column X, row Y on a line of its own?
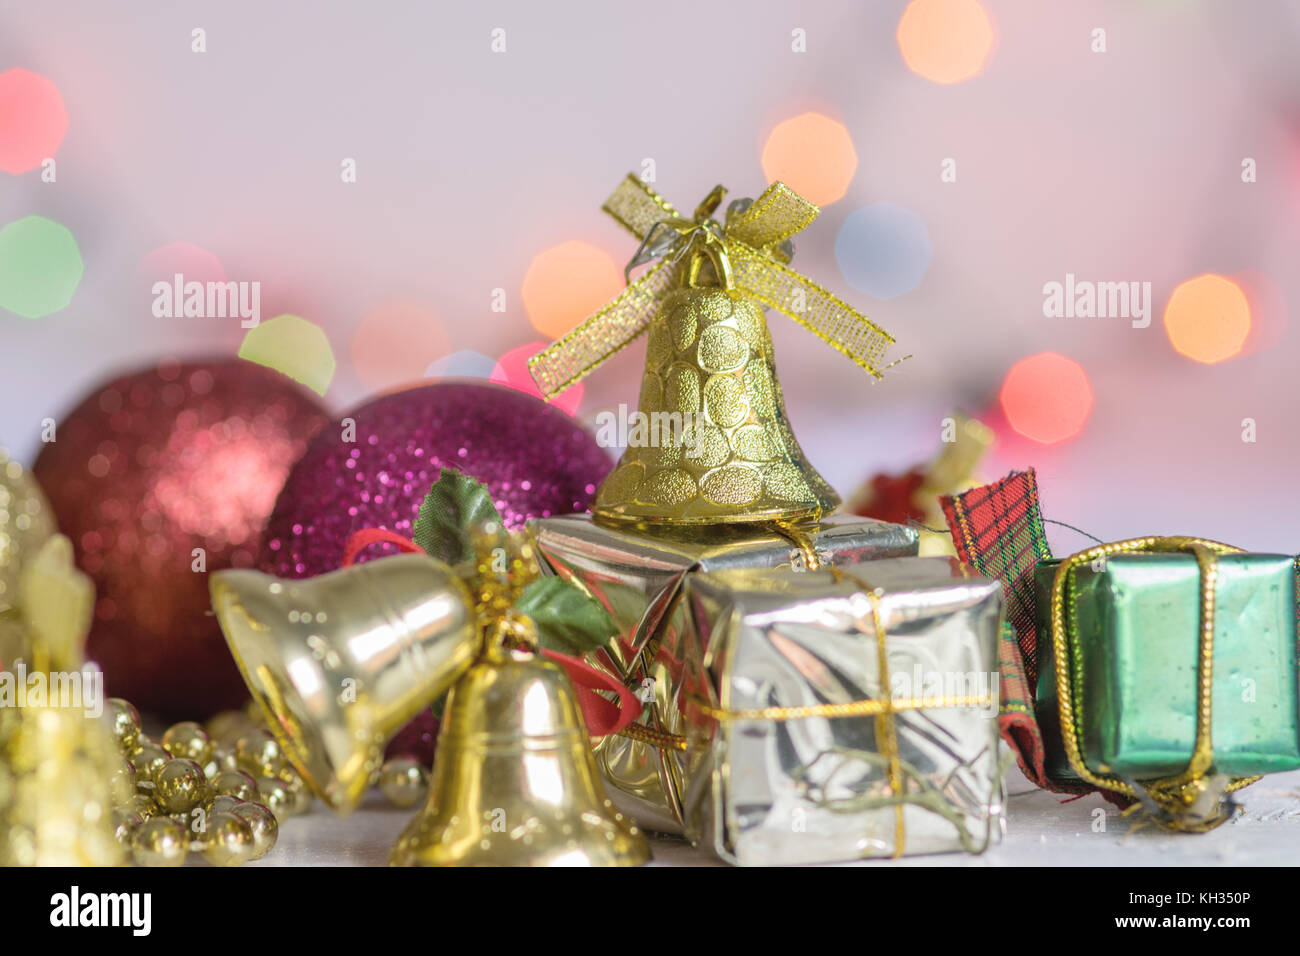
column 222, row 759
column 149, row 758
column 124, row 720
column 228, row 840
column 188, row 739
column 236, row 783
column 142, row 803
column 259, row 754
column 193, row 823
column 159, row 842
column 180, row 786
column 275, row 796
column 262, row 823
column 122, row 784
column 224, row 803
column 225, row 729
column 404, row 782
column 299, row 792
column 125, row 823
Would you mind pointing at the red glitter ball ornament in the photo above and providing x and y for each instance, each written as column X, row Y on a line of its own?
column 160, row 477
column 375, row 469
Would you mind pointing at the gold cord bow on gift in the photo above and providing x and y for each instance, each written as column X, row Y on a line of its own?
column 730, row 455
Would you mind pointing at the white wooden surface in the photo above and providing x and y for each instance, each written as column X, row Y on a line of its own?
column 1041, row 831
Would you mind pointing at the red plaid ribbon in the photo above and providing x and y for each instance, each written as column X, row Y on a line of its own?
column 998, row 530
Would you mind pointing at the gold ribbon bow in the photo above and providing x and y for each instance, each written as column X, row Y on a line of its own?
column 749, row 253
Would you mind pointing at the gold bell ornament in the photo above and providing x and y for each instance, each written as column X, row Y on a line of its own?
column 341, row 662
column 514, row 780
column 57, row 756
column 710, row 376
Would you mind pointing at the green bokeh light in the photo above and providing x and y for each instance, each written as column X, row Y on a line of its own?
column 294, row 347
column 40, row 267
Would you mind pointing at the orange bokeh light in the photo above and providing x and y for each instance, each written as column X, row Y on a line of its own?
column 813, row 155
column 395, row 343
column 566, row 283
column 945, row 41
column 1207, row 318
column 1047, row 397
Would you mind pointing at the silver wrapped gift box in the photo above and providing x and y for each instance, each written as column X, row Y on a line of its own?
column 793, row 756
column 639, row 576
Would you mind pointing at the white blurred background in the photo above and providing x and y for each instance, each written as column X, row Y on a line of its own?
column 1122, row 165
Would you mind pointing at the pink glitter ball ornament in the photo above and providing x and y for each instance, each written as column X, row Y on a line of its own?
column 373, row 468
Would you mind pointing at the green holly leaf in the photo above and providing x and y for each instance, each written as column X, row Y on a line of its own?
column 454, row 506
column 568, row 619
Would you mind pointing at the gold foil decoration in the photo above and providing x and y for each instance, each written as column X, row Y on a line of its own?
column 710, row 374
column 26, row 522
column 57, row 756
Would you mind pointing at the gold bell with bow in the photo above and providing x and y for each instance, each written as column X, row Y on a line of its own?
column 514, row 780
column 710, row 377
column 341, row 662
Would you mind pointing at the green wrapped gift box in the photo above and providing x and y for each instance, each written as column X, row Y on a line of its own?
column 1132, row 628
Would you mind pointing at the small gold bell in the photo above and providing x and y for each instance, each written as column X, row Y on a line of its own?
column 341, row 662
column 514, row 782
column 718, row 445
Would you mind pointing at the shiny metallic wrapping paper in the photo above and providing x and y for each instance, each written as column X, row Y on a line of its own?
column 816, row 789
column 1135, row 633
column 639, row 577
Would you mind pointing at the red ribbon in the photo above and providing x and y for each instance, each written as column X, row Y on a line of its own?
column 602, row 715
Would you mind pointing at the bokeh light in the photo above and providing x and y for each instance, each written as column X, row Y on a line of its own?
column 566, row 283
column 1207, row 318
column 40, row 267
column 1268, row 310
column 463, row 364
column 294, row 347
column 193, row 262
column 512, row 370
column 883, row 250
column 32, row 120
column 395, row 343
column 945, row 41
column 1047, row 397
column 813, row 155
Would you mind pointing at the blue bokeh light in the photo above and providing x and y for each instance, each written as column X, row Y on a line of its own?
column 883, row 250
column 463, row 364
